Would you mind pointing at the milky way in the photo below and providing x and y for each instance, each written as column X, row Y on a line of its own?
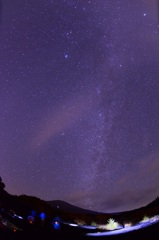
column 79, row 101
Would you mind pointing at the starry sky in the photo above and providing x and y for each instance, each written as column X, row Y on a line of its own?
column 79, row 101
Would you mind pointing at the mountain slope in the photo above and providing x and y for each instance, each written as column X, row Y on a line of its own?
column 67, row 207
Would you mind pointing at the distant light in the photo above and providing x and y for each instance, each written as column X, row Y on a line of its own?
column 33, row 213
column 56, row 223
column 42, row 215
column 15, row 215
column 56, row 226
column 31, row 219
column 145, row 14
column 73, row 225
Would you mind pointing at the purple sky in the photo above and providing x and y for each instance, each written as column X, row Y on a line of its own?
column 79, row 101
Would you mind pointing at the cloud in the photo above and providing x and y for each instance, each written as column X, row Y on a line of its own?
column 127, row 200
column 59, row 120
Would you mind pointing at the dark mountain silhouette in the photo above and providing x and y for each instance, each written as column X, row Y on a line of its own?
column 25, row 204
column 154, row 203
column 67, row 207
column 2, row 185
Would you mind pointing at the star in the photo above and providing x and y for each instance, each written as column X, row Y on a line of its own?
column 80, row 101
column 66, row 55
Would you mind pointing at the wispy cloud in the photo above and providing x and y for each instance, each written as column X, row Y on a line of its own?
column 59, row 120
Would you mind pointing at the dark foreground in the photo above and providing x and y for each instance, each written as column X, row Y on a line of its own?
column 70, row 233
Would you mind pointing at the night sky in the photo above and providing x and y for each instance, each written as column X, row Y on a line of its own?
column 79, row 101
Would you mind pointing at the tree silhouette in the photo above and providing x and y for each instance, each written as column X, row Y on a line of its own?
column 2, row 185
